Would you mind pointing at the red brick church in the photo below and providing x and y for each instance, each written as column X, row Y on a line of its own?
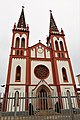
column 39, row 68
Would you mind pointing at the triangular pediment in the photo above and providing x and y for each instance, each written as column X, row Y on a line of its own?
column 38, row 45
column 39, row 50
column 41, row 84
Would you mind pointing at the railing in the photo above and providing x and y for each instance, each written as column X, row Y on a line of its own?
column 39, row 107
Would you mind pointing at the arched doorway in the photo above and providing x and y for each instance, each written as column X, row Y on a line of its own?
column 43, row 100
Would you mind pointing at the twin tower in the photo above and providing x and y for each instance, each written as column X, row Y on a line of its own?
column 39, row 68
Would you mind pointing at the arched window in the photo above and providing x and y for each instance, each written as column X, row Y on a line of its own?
column 16, row 99
column 56, row 45
column 17, row 42
column 64, row 75
column 23, row 43
column 58, row 54
column 18, row 73
column 63, row 55
column 16, row 52
column 61, row 45
column 21, row 52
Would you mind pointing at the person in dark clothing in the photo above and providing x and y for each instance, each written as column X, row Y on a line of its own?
column 58, row 107
column 30, row 109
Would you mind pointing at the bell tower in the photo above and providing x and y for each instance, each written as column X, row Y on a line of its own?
column 17, row 68
column 61, row 65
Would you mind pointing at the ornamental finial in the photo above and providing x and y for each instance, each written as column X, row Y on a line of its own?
column 50, row 11
column 22, row 7
column 39, row 41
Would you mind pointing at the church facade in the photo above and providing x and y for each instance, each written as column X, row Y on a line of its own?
column 39, row 68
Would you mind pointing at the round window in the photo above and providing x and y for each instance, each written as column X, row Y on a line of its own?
column 41, row 71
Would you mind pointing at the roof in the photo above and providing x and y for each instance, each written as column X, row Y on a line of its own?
column 53, row 26
column 40, row 44
column 21, row 22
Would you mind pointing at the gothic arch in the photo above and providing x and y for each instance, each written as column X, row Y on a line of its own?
column 18, row 73
column 43, row 93
column 23, row 42
column 17, row 42
column 61, row 46
column 64, row 74
column 45, row 88
column 56, row 45
column 16, row 99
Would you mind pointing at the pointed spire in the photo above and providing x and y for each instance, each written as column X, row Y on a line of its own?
column 53, row 26
column 21, row 22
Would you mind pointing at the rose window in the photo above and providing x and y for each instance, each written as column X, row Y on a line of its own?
column 41, row 71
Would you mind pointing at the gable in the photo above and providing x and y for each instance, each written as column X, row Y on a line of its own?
column 40, row 51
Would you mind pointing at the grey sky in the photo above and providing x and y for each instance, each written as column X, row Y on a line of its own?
column 66, row 14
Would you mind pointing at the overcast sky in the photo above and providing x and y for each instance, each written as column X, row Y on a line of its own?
column 66, row 14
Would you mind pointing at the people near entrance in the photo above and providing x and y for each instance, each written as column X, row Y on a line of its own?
column 58, row 107
column 30, row 109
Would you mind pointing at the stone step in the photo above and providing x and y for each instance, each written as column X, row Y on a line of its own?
column 45, row 112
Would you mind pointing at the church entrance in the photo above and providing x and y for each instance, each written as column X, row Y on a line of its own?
column 43, row 101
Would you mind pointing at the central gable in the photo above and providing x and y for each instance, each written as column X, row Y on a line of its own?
column 39, row 50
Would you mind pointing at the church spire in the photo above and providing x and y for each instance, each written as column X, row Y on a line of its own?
column 21, row 22
column 53, row 26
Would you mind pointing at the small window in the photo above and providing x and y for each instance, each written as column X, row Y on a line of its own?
column 58, row 55
column 21, row 52
column 16, row 99
column 23, row 43
column 56, row 45
column 17, row 42
column 61, row 45
column 64, row 75
column 17, row 52
column 18, row 73
column 62, row 55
